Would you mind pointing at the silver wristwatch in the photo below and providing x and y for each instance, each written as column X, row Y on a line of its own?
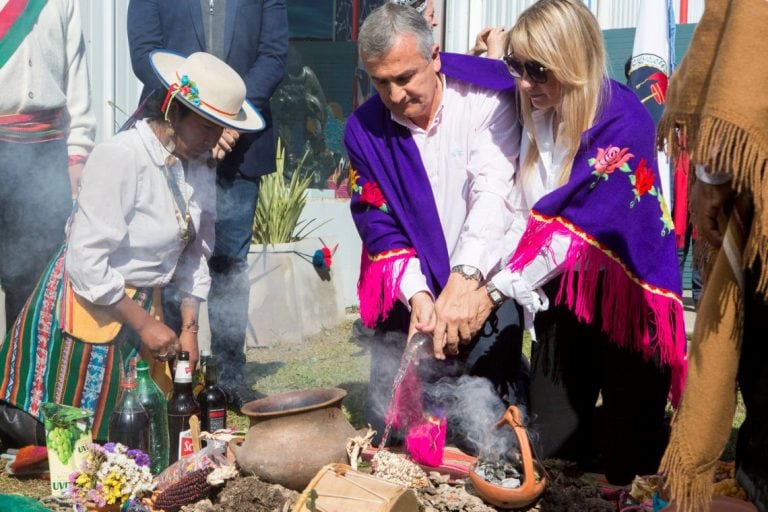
column 496, row 296
column 468, row 272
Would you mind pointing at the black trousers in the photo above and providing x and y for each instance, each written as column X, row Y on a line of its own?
column 572, row 364
column 495, row 354
column 752, row 441
column 35, row 202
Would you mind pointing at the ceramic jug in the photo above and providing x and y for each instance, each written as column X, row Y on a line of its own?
column 293, row 435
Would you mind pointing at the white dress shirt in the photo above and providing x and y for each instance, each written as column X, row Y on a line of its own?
column 126, row 228
column 523, row 285
column 469, row 151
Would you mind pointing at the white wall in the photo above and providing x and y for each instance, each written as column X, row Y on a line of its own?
column 465, row 18
column 114, row 88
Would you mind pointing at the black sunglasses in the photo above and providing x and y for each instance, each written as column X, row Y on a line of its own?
column 536, row 70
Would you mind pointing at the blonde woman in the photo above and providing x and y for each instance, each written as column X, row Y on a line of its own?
column 594, row 257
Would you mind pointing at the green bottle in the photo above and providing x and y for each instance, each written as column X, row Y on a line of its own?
column 153, row 400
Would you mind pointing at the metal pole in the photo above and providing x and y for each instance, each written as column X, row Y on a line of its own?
column 355, row 18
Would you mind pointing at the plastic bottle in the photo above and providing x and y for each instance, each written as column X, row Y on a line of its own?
column 129, row 423
column 181, row 406
column 213, row 401
column 153, row 400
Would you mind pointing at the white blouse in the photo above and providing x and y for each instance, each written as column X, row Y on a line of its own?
column 126, row 228
column 524, row 285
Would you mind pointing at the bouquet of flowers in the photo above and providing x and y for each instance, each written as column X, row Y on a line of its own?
column 111, row 474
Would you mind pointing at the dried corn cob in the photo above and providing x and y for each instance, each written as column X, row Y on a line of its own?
column 190, row 489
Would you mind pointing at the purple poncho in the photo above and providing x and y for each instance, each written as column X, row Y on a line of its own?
column 391, row 198
column 620, row 232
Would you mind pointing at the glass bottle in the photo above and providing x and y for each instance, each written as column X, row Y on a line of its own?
column 198, row 377
column 213, row 401
column 181, row 406
column 153, row 400
column 129, row 423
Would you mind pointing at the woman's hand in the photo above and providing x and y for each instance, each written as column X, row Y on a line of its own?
column 496, row 43
column 453, row 312
column 190, row 310
column 155, row 335
column 491, row 41
column 482, row 305
column 188, row 340
column 158, row 338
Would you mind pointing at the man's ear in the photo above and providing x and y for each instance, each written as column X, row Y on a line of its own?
column 436, row 65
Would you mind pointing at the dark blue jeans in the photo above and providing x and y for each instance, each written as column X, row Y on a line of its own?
column 495, row 354
column 236, row 199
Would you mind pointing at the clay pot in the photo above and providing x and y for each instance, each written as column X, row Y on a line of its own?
column 530, row 489
column 293, row 435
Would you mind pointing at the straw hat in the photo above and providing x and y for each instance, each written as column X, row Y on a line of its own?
column 208, row 86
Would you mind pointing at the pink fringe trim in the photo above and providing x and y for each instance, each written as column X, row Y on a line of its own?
column 378, row 285
column 642, row 317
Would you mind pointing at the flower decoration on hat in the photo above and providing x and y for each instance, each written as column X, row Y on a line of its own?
column 187, row 88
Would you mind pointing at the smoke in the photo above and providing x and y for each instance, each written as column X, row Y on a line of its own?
column 473, row 409
column 35, row 202
column 471, row 404
column 386, row 351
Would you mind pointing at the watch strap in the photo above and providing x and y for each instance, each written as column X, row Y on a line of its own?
column 468, row 272
column 496, row 296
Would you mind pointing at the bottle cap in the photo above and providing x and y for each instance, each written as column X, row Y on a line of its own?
column 183, row 356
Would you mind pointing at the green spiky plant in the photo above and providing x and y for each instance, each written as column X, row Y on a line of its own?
column 280, row 205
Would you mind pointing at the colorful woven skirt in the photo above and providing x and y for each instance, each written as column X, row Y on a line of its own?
column 40, row 363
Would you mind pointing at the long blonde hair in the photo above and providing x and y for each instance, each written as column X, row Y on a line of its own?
column 564, row 36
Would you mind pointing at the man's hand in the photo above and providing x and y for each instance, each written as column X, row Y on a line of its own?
column 422, row 315
column 226, row 144
column 453, row 312
column 707, row 202
column 75, row 173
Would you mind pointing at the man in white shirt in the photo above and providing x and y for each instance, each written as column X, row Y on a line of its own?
column 433, row 158
column 46, row 128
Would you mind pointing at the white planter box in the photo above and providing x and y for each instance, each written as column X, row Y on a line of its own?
column 289, row 299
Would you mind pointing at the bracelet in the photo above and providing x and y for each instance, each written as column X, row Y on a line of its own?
column 191, row 326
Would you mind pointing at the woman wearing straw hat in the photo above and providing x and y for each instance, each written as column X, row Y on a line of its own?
column 145, row 216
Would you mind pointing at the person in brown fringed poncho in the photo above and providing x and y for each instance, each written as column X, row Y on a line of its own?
column 718, row 99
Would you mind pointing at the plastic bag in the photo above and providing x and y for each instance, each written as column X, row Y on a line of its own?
column 208, row 458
